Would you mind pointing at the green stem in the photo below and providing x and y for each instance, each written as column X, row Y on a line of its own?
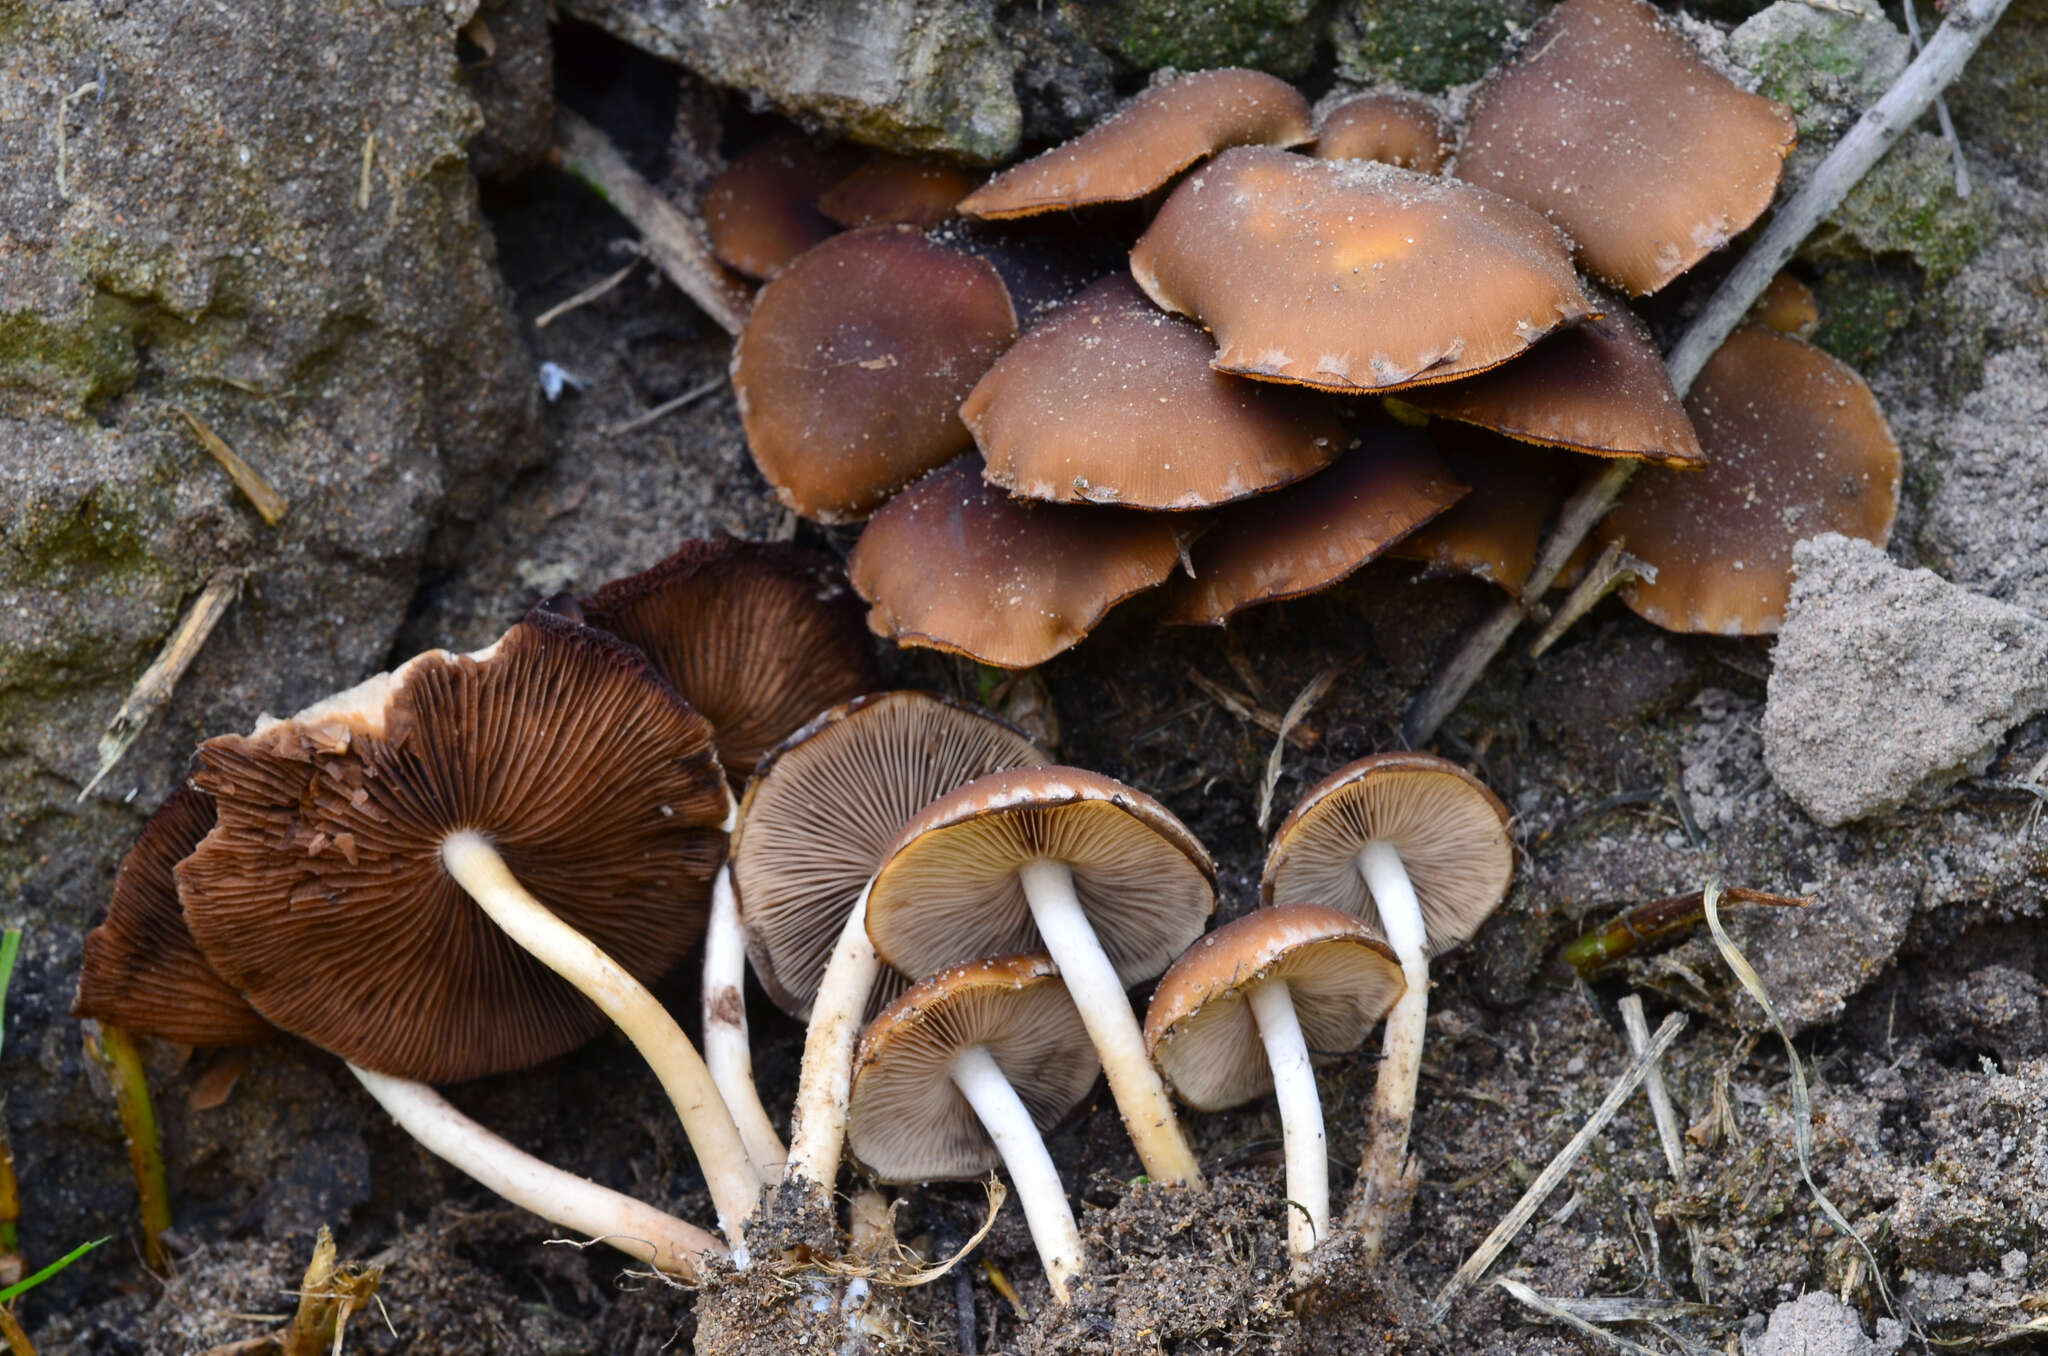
column 118, row 1054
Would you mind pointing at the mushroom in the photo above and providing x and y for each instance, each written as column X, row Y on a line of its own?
column 1392, row 128
column 1494, row 531
column 1418, row 848
column 953, row 564
column 1148, row 141
column 1354, row 276
column 1113, row 401
column 1796, row 446
column 1236, row 1016
column 762, row 211
column 1611, row 123
column 972, row 1065
column 1100, row 875
column 394, row 869
column 851, row 368
column 896, row 190
column 1788, row 306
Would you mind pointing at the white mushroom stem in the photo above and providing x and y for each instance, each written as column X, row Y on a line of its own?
column 1301, row 1115
column 575, row 1203
column 1379, row 1189
column 817, row 1127
column 1003, row 1114
column 735, row 1186
column 1106, row 1012
column 726, row 1051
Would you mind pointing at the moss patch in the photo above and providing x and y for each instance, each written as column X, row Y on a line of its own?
column 1908, row 205
column 1426, row 47
column 69, row 366
column 1269, row 35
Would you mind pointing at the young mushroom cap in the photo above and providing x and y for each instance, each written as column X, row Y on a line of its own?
column 142, row 970
column 1613, row 124
column 1112, row 401
column 321, row 892
column 1148, row 141
column 758, row 636
column 762, row 211
column 1494, row 531
column 1200, row 1029
column 1349, row 275
column 1451, row 832
column 1796, row 446
column 897, row 190
column 954, row 564
column 823, row 809
column 851, row 368
column 1314, row 534
column 1787, row 306
column 1392, row 128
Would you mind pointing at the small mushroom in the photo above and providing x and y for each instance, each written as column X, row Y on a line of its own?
column 1788, row 307
column 1493, row 533
column 1354, row 276
column 1236, row 1016
column 972, row 1065
column 1100, row 875
column 1418, row 848
column 1391, row 127
column 896, row 190
column 1148, row 141
column 762, row 211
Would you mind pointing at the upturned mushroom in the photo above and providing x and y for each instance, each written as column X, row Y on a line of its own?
column 1418, row 848
column 1100, row 875
column 1237, row 1015
column 970, row 1066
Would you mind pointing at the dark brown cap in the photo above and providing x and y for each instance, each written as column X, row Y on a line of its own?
column 1796, row 446
column 1112, row 401
column 1451, row 832
column 1493, row 533
column 1148, row 141
column 1392, row 128
column 758, row 636
column 1200, row 1030
column 1314, row 534
column 851, row 369
column 898, row 190
column 321, row 893
column 954, row 564
column 762, row 211
column 1611, row 122
column 142, row 970
column 824, row 808
column 1351, row 275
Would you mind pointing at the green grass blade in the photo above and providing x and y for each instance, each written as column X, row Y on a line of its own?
column 31, row 1282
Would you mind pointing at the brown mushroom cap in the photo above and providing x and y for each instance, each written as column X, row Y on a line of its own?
column 1200, row 1030
column 1788, row 306
column 321, row 895
column 762, row 211
column 1392, row 128
column 1451, row 832
column 1312, row 535
column 897, row 190
column 1148, row 141
column 1351, row 275
column 1494, row 532
column 949, row 889
column 758, row 636
column 907, row 1122
column 824, row 808
column 142, row 970
column 1610, row 122
column 1796, row 446
column 1599, row 387
column 851, row 368
column 1112, row 401
column 953, row 564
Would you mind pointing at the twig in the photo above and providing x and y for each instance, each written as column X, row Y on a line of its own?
column 667, row 407
column 152, row 691
column 261, row 492
column 585, row 297
column 1522, row 1294
column 1297, row 711
column 12, row 1333
column 1546, row 1182
column 1666, row 1116
column 1948, row 127
column 1608, row 572
column 1237, row 704
column 114, row 1050
column 672, row 238
column 63, row 142
column 363, row 184
column 1967, row 25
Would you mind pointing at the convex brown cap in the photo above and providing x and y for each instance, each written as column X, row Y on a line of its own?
column 142, row 970
column 1148, row 141
column 1599, row 387
column 896, row 190
column 954, row 564
column 1351, row 275
column 1314, row 534
column 1200, row 1030
column 758, row 636
column 762, row 211
column 1613, row 124
column 1451, row 832
column 321, row 893
column 1788, row 306
column 1393, row 128
column 851, row 368
column 1494, row 532
column 1796, row 446
column 824, row 808
column 908, row 1122
column 1112, row 401
column 950, row 890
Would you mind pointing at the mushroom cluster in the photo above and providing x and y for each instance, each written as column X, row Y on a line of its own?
column 1232, row 348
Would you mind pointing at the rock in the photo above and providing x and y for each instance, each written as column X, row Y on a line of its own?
column 1889, row 683
column 1065, row 84
column 1985, row 1195
column 1426, row 47
column 1997, row 1008
column 1826, row 65
column 906, row 75
column 1818, row 1324
column 1271, row 35
column 1908, row 205
column 508, row 64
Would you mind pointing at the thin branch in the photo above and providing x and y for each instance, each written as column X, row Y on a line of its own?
column 260, row 492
